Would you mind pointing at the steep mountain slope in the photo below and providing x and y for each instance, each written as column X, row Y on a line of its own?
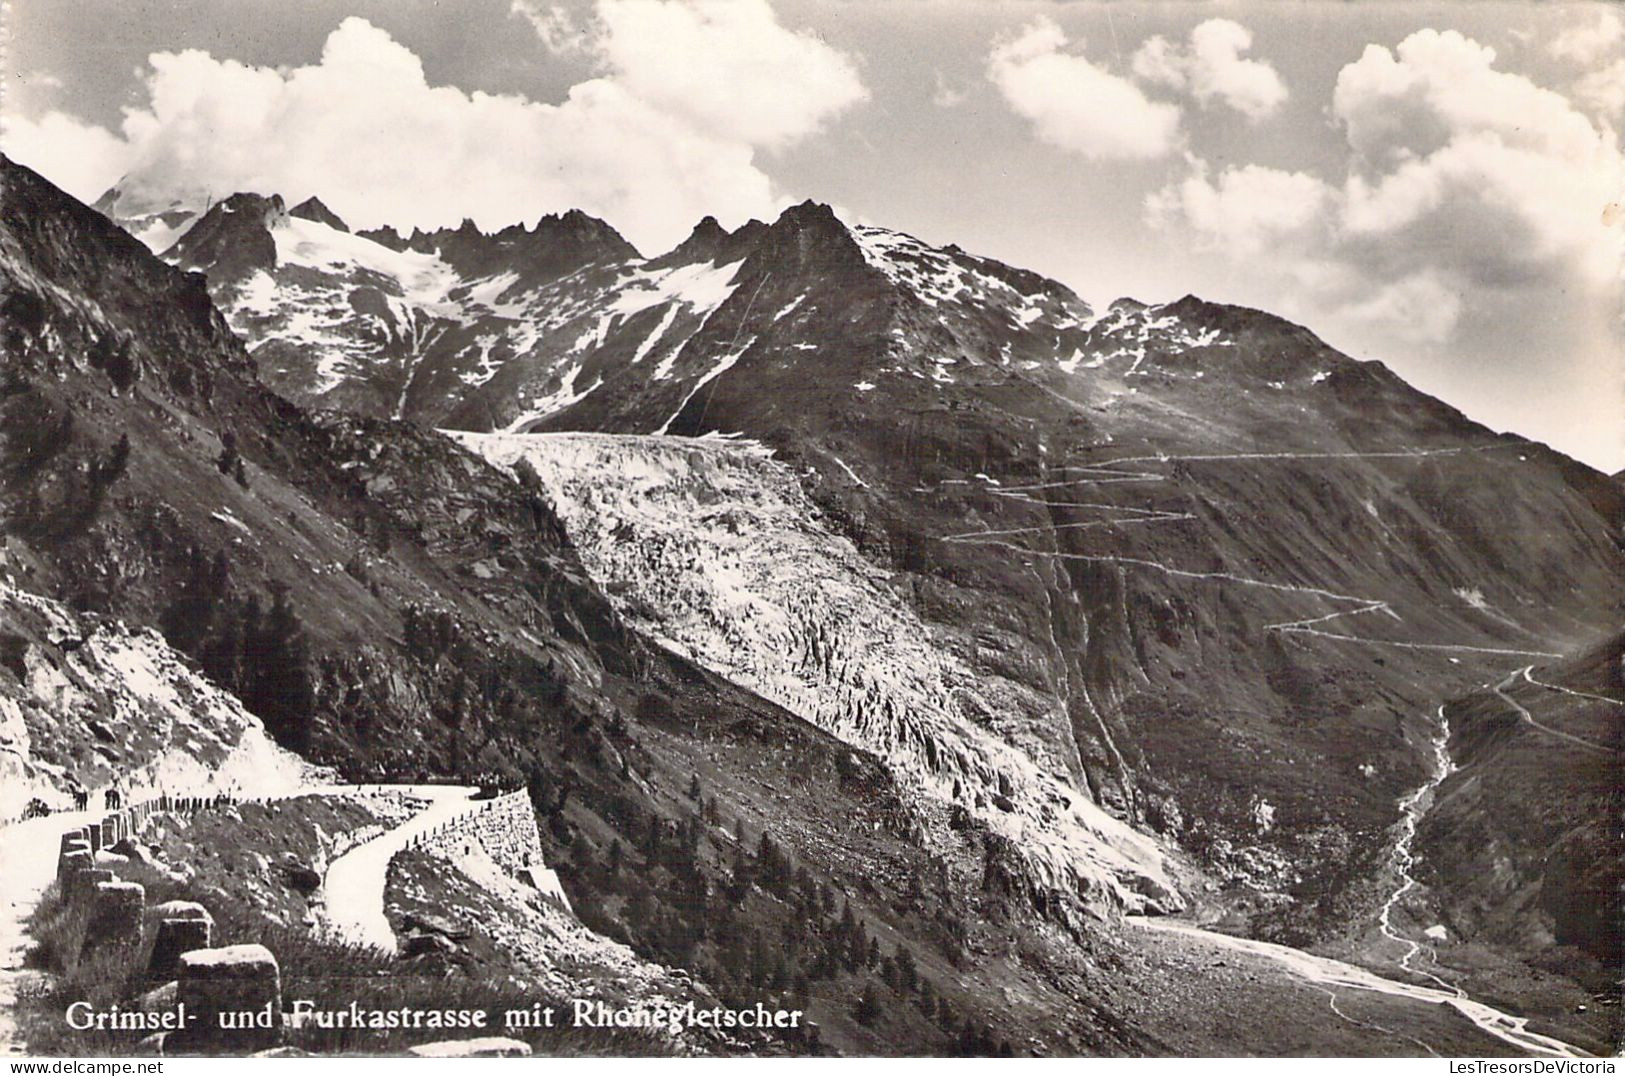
column 87, row 705
column 1523, row 848
column 713, row 548
column 389, row 602
column 376, row 322
column 1241, row 568
column 155, row 220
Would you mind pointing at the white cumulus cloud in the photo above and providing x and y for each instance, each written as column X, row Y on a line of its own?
column 1590, row 41
column 648, row 145
column 1472, row 211
column 1211, row 67
column 81, row 158
column 1246, row 210
column 1076, row 105
column 1456, row 171
column 727, row 66
column 1482, row 170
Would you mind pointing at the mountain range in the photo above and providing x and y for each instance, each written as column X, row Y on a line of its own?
column 1011, row 619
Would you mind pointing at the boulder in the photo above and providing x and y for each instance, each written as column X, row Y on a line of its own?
column 159, row 998
column 180, row 909
column 115, row 916
column 415, row 945
column 301, row 878
column 425, row 923
column 82, row 884
column 242, row 983
column 132, row 850
column 491, row 1046
column 174, row 937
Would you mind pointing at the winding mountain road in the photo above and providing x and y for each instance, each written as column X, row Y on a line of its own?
column 1322, row 973
column 1529, row 718
column 1110, row 472
column 354, row 885
column 1528, row 675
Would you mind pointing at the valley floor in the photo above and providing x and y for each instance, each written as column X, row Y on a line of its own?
column 1373, row 1015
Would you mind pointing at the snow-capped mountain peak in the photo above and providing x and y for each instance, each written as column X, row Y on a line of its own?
column 509, row 330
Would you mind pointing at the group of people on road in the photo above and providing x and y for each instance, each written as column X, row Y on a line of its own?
column 112, row 800
column 112, row 797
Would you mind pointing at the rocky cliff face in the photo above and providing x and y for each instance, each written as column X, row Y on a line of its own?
column 380, row 323
column 89, row 705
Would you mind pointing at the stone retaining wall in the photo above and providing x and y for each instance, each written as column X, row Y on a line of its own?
column 505, row 829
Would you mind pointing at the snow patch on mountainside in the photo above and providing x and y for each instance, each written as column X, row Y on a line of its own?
column 563, row 396
column 701, row 285
column 722, row 366
column 422, row 279
column 933, row 275
column 714, row 548
column 654, row 337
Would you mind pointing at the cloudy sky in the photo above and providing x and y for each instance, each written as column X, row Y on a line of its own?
column 1431, row 184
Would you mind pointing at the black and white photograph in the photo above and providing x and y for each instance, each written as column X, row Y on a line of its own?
column 812, row 529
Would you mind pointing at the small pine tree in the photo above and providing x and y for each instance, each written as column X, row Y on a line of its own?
column 908, row 974
column 739, row 885
column 228, row 459
column 276, row 671
column 122, row 368
column 867, row 1010
column 112, row 468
